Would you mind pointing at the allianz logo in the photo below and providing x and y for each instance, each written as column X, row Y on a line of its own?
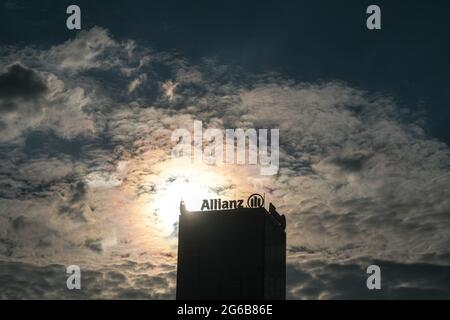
column 254, row 201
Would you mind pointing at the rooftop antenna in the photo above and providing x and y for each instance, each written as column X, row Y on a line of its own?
column 182, row 207
column 264, row 198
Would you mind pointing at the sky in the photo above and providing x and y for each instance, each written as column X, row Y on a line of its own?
column 86, row 173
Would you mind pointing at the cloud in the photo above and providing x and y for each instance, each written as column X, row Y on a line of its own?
column 94, row 245
column 169, row 89
column 360, row 180
column 84, row 52
column 38, row 100
column 136, row 83
column 30, row 281
column 319, row 279
column 352, row 171
column 20, row 83
column 352, row 162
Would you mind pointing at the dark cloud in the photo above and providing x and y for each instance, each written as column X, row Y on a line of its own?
column 76, row 208
column 7, row 247
column 318, row 279
column 20, row 280
column 94, row 245
column 19, row 223
column 49, row 143
column 351, row 162
column 17, row 84
column 79, row 192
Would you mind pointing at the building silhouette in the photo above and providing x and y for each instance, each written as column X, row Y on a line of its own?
column 231, row 254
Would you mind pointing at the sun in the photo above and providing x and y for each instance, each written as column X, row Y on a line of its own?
column 181, row 188
column 188, row 182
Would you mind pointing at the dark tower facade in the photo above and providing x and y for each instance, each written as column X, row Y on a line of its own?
column 232, row 254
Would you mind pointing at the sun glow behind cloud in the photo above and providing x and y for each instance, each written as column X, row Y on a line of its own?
column 180, row 179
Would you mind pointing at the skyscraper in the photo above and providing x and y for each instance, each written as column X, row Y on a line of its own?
column 232, row 254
